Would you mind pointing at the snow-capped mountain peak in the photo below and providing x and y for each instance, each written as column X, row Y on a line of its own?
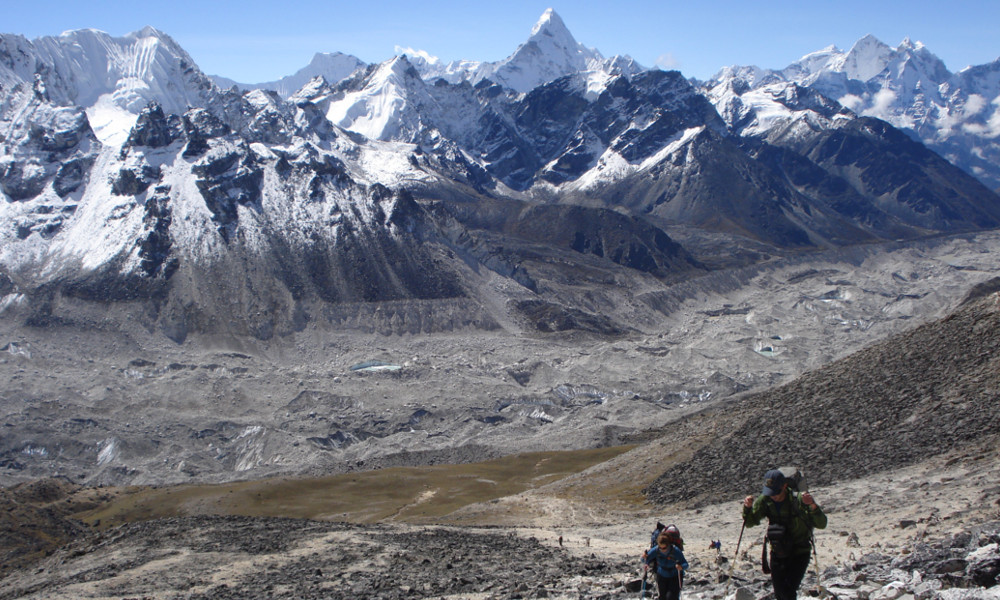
column 331, row 66
column 955, row 114
column 112, row 78
column 152, row 32
column 866, row 59
column 379, row 109
column 549, row 53
column 419, row 56
column 814, row 62
column 551, row 24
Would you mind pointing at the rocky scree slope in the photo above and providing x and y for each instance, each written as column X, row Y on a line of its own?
column 312, row 560
column 915, row 395
column 35, row 521
column 242, row 557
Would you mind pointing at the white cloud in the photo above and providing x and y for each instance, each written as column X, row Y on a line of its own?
column 994, row 122
column 884, row 100
column 975, row 129
column 851, row 102
column 881, row 105
column 667, row 61
column 413, row 53
column 974, row 105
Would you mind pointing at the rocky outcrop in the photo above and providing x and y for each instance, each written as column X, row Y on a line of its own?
column 44, row 138
column 228, row 177
column 155, row 245
column 132, row 181
column 153, row 129
column 23, row 179
column 71, row 175
column 201, row 125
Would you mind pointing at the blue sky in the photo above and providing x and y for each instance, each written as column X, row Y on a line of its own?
column 254, row 41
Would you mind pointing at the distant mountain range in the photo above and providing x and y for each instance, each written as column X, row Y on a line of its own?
column 129, row 176
column 955, row 114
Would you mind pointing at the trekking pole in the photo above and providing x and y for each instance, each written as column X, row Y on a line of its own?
column 819, row 586
column 737, row 555
column 732, row 565
column 645, row 574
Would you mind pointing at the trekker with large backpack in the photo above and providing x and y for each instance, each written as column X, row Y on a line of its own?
column 791, row 520
column 668, row 557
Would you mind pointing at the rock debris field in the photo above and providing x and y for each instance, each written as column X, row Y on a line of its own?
column 196, row 558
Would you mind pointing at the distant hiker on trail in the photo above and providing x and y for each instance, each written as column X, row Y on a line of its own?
column 791, row 520
column 671, row 529
column 656, row 534
column 670, row 563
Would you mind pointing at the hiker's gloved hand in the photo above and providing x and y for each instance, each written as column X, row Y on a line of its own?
column 808, row 500
column 748, row 501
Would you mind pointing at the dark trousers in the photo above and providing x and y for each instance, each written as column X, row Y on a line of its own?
column 787, row 574
column 669, row 587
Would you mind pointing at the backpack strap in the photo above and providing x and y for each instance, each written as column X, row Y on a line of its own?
column 797, row 508
column 666, row 556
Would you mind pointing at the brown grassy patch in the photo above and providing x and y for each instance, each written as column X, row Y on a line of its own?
column 413, row 494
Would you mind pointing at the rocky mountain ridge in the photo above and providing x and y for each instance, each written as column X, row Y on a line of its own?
column 953, row 114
